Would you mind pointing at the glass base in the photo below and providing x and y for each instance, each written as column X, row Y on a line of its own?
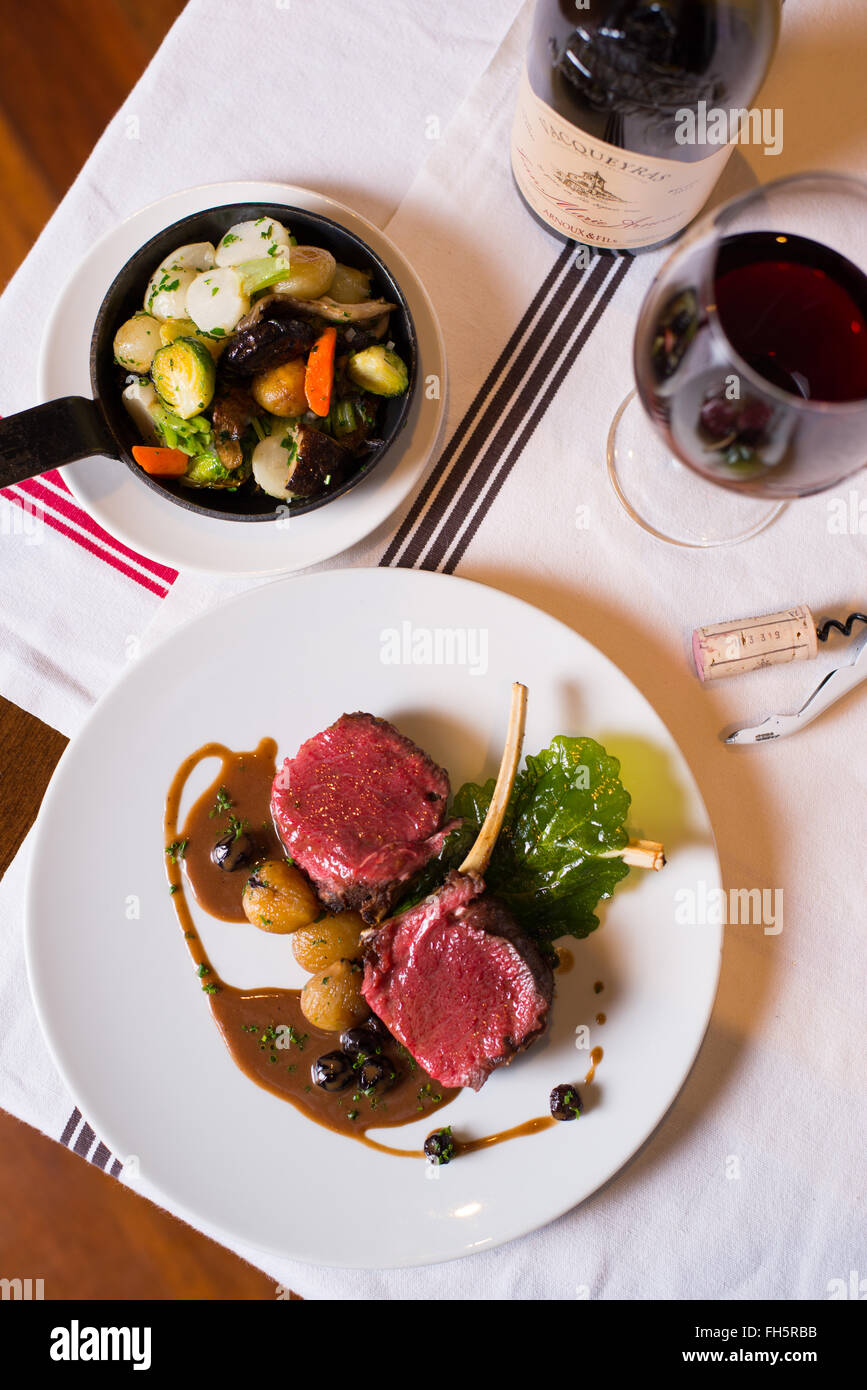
column 668, row 499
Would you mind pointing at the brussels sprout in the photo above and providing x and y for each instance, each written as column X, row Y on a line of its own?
column 248, row 241
column 379, row 370
column 206, row 470
column 184, row 375
column 136, row 341
column 185, row 328
column 166, row 294
column 157, row 425
column 193, row 436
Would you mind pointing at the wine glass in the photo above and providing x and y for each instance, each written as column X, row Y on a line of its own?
column 750, row 360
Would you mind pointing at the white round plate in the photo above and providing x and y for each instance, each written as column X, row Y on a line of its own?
column 124, row 1014
column 137, row 515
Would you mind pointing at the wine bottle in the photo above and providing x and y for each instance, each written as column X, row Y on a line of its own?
column 623, row 106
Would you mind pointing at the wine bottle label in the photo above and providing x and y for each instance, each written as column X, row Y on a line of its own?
column 599, row 194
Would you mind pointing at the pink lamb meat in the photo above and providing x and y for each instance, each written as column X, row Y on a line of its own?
column 361, row 809
column 456, row 981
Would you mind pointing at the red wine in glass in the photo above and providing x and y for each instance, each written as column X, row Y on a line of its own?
column 796, row 312
column 751, row 356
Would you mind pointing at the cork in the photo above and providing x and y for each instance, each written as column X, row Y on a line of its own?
column 746, row 644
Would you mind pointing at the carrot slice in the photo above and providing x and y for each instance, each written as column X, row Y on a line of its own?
column 319, row 377
column 161, row 463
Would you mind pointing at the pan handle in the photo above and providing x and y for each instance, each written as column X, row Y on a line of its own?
column 49, row 435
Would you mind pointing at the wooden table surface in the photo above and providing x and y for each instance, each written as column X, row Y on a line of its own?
column 65, row 68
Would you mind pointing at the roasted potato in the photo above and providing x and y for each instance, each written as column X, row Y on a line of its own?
column 278, row 898
column 332, row 1000
column 334, row 938
column 280, row 390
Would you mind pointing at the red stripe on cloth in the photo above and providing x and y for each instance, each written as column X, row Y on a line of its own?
column 85, row 520
column 34, row 488
column 54, row 476
column 114, row 560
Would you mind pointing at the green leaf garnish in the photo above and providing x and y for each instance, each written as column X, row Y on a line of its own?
column 567, row 809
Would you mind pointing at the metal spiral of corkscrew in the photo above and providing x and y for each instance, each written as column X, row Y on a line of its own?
column 824, row 629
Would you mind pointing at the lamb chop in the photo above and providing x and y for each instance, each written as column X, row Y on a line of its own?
column 361, row 809
column 454, row 978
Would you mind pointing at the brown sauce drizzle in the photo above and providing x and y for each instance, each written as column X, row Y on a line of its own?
column 598, row 987
column 264, row 1030
column 469, row 1146
column 249, row 1020
column 247, row 778
column 595, row 1058
column 600, row 1018
column 565, row 960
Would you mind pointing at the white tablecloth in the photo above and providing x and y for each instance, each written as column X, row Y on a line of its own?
column 777, row 1095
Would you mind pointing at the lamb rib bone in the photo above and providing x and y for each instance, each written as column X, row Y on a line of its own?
column 477, row 860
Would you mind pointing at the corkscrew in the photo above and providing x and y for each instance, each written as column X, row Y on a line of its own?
column 733, row 648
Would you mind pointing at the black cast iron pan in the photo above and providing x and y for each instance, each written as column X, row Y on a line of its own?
column 75, row 427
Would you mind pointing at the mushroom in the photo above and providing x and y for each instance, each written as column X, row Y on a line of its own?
column 268, row 341
column 320, row 462
column 301, row 463
column 327, row 308
column 234, row 409
column 276, row 306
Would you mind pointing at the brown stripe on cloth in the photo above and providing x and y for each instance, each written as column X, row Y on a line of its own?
column 101, row 1155
column 568, row 296
column 465, row 532
column 71, row 1126
column 85, row 1141
column 555, row 274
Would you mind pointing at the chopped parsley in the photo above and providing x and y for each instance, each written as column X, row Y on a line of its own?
column 176, row 850
column 223, row 803
column 427, row 1093
column 407, row 1057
